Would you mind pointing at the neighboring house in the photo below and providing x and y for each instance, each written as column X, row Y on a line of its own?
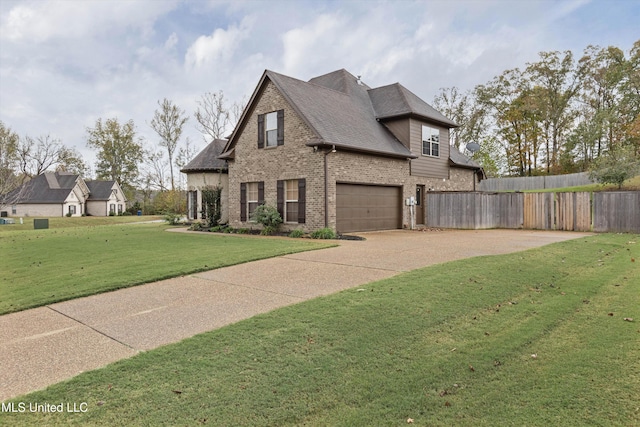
column 105, row 198
column 54, row 194
column 207, row 170
column 333, row 152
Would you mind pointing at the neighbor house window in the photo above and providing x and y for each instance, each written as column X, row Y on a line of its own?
column 119, row 208
column 72, row 209
column 292, row 200
column 14, row 209
column 430, row 141
column 251, row 196
column 271, row 129
column 112, row 208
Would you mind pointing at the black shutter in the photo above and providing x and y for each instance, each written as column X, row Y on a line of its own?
column 302, row 200
column 280, row 127
column 260, row 130
column 243, row 201
column 280, row 203
column 260, row 193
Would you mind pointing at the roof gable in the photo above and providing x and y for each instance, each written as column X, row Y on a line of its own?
column 49, row 187
column 100, row 190
column 337, row 109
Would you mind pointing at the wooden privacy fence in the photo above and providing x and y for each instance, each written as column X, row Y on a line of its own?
column 582, row 211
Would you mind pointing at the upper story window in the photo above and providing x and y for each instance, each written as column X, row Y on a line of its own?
column 430, row 141
column 271, row 129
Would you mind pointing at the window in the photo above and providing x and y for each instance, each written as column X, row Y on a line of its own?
column 430, row 141
column 251, row 196
column 72, row 209
column 271, row 129
column 119, row 209
column 292, row 200
column 14, row 209
column 112, row 209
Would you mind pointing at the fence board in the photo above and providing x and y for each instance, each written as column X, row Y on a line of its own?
column 538, row 211
column 573, row 211
column 611, row 212
column 616, row 212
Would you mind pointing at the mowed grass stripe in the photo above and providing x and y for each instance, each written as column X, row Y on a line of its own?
column 445, row 345
column 45, row 266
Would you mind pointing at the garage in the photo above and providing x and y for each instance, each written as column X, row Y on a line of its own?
column 361, row 207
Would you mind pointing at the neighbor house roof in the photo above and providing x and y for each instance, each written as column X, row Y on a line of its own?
column 100, row 190
column 49, row 187
column 207, row 159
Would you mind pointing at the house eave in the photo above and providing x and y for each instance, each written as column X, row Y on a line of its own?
column 342, row 147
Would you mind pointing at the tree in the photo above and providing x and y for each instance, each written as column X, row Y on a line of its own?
column 558, row 82
column 615, row 167
column 119, row 152
column 9, row 179
column 36, row 156
column 215, row 117
column 168, row 122
column 212, row 115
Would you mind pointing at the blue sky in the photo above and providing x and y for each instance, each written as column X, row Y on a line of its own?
column 66, row 63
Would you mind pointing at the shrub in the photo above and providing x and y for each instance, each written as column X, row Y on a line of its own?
column 172, row 218
column 323, row 233
column 242, row 231
column 269, row 217
column 212, row 204
column 296, row 234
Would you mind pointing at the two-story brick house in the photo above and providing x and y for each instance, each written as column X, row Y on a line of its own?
column 333, row 152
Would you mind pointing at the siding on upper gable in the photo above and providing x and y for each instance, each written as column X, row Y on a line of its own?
column 431, row 167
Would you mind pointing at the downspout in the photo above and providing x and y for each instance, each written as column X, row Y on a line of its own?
column 326, row 187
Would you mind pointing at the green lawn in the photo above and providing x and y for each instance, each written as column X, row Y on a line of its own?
column 536, row 338
column 44, row 266
column 84, row 221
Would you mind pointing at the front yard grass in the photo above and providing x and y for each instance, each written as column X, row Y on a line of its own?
column 45, row 266
column 536, row 338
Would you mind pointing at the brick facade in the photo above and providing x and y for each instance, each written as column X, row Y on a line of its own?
column 296, row 160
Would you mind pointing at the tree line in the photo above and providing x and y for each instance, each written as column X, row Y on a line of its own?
column 146, row 168
column 556, row 115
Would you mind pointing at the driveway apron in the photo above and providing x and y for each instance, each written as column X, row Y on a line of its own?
column 42, row 346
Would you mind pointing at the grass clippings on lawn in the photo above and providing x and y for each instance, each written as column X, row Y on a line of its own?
column 45, row 266
column 536, row 338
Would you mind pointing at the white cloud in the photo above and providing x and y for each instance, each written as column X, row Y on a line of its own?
column 220, row 46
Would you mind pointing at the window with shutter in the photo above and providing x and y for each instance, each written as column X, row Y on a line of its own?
column 271, row 129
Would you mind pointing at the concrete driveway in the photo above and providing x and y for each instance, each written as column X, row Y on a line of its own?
column 42, row 346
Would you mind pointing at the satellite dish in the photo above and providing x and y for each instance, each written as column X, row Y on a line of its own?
column 473, row 147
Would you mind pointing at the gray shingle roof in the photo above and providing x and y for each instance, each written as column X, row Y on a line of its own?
column 49, row 187
column 99, row 190
column 207, row 159
column 396, row 101
column 339, row 110
column 344, row 112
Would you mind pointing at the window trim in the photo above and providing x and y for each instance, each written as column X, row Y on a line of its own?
column 430, row 141
column 273, row 118
column 288, row 184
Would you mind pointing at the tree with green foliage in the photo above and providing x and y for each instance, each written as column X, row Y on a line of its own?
column 615, row 167
column 119, row 152
column 167, row 122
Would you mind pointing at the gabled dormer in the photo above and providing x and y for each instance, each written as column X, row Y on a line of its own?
column 420, row 127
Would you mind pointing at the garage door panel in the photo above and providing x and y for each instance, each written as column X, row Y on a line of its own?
column 367, row 207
